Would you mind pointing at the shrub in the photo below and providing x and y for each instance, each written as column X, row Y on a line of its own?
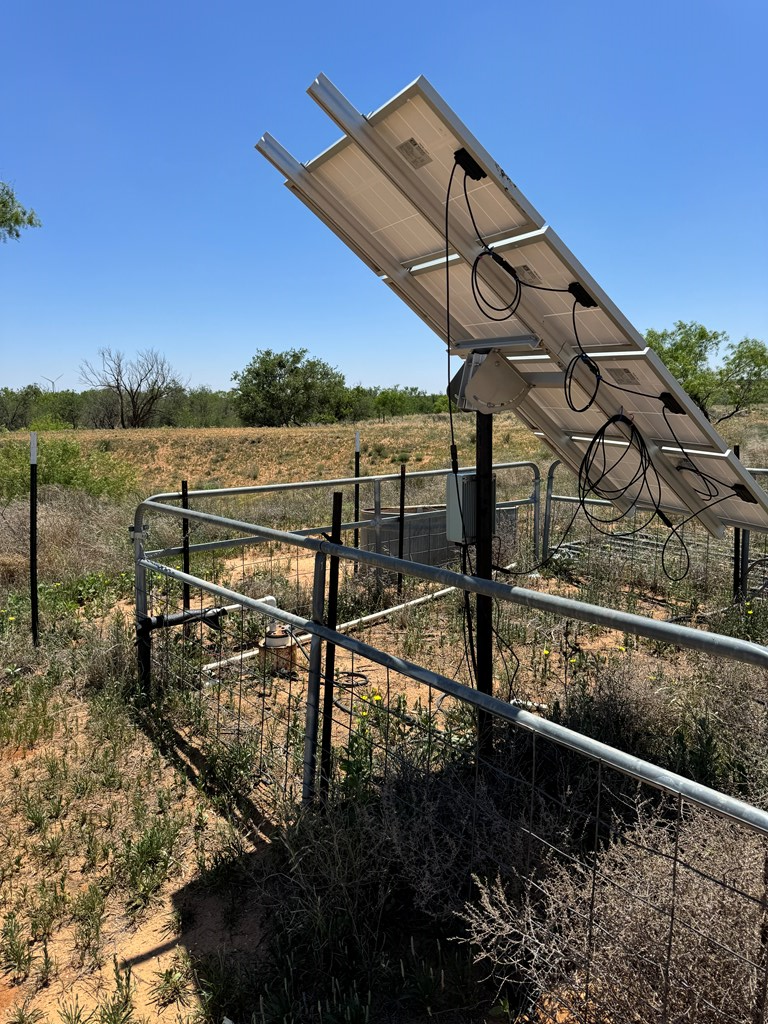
column 63, row 462
column 668, row 926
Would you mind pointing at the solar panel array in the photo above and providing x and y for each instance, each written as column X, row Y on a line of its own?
column 390, row 187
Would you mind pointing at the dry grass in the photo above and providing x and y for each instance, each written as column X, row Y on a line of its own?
column 239, row 456
column 242, row 456
column 592, row 940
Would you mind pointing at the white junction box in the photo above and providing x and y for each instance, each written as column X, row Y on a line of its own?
column 461, row 507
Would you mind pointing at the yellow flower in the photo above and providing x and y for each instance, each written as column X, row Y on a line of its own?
column 377, row 696
column 572, row 661
column 546, row 652
column 622, row 648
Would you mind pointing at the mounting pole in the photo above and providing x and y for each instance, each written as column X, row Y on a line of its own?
column 485, row 527
column 740, row 569
column 326, row 766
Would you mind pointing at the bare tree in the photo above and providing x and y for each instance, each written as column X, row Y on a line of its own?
column 139, row 383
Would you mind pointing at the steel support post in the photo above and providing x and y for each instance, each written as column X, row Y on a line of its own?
column 33, row 594
column 185, row 545
column 356, row 536
column 313, row 685
column 377, row 516
column 485, row 529
column 330, row 653
column 377, row 532
column 401, row 527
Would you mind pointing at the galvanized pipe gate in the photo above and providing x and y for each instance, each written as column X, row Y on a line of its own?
column 637, row 625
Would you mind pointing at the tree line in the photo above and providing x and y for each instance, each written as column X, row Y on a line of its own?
column 275, row 389
column 292, row 388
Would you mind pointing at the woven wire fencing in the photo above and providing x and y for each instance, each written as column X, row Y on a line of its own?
column 593, row 887
column 683, row 569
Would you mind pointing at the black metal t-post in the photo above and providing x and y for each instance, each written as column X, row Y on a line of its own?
column 326, row 766
column 401, row 526
column 33, row 537
column 737, row 545
column 185, row 546
column 485, row 527
column 356, row 540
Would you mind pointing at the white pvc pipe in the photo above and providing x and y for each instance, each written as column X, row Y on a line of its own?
column 343, row 628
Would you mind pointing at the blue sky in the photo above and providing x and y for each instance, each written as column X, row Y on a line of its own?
column 637, row 130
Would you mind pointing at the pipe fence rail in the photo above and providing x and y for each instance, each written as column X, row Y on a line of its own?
column 635, row 892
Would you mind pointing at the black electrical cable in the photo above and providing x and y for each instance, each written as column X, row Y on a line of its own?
column 510, row 308
column 469, row 644
column 713, row 484
column 598, row 468
column 483, row 303
column 674, row 531
column 645, row 478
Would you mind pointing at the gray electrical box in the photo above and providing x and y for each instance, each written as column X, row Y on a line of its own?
column 461, row 508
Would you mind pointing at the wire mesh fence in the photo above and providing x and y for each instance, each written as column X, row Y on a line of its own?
column 677, row 563
column 594, row 886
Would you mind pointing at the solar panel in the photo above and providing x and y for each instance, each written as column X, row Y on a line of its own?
column 393, row 184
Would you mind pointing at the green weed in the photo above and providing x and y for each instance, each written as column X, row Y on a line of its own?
column 24, row 1014
column 15, row 949
column 118, row 1007
column 73, row 1013
column 87, row 913
column 172, row 984
column 63, row 462
column 143, row 863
